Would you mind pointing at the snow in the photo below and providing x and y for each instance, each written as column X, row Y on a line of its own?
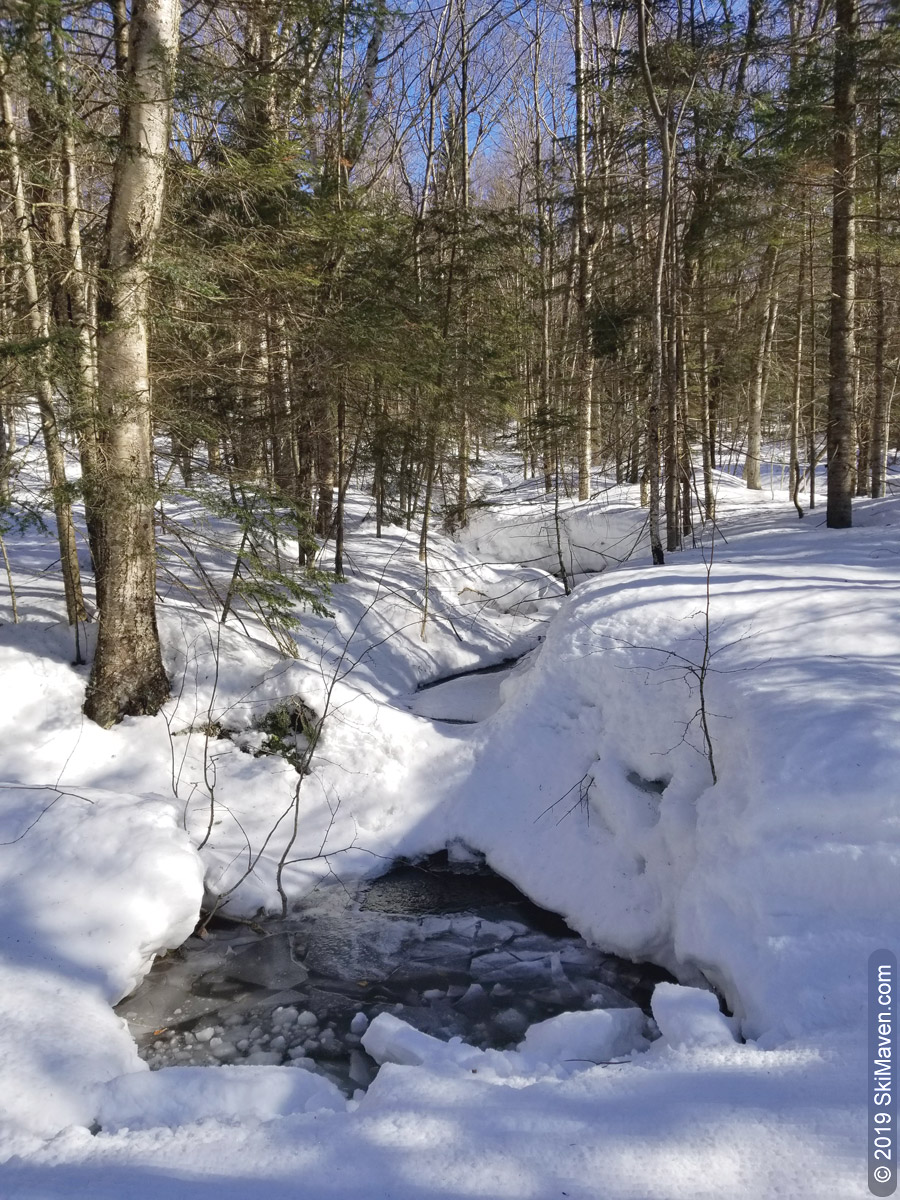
column 690, row 1017
column 593, row 1036
column 461, row 700
column 585, row 777
column 92, row 886
column 520, row 524
column 185, row 1095
column 551, row 1049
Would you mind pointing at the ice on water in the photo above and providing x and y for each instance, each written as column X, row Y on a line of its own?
column 305, row 991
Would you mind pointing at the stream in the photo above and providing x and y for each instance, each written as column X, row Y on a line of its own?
column 443, row 943
column 447, row 946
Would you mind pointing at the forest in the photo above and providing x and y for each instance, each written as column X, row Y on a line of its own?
column 449, row 599
column 270, row 249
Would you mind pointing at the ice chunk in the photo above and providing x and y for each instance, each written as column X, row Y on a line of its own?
column 267, row 963
column 359, row 1024
column 331, row 1005
column 690, row 1016
column 390, row 1040
column 284, row 1016
column 475, row 1003
column 164, row 1006
column 499, row 931
column 485, row 933
column 581, row 1038
column 577, row 956
column 558, row 974
column 443, row 950
column 501, row 966
column 336, row 953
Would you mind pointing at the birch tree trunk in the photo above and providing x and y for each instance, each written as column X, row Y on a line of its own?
column 128, row 676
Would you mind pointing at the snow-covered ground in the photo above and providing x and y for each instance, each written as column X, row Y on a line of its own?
column 586, row 777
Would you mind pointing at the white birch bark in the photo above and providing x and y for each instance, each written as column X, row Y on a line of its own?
column 128, row 675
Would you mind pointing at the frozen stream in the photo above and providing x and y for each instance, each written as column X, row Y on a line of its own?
column 446, row 945
column 450, row 948
column 465, row 698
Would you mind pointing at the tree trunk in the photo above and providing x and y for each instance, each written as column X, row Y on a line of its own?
column 798, row 386
column 84, row 397
column 462, row 490
column 584, row 378
column 429, row 468
column 813, row 364
column 38, row 319
column 657, row 332
column 670, row 389
column 545, row 276
column 128, row 676
column 325, row 456
column 342, row 485
column 752, row 464
column 706, row 438
column 879, row 436
column 842, row 339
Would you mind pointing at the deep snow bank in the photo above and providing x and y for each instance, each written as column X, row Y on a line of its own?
column 92, row 886
column 519, row 523
column 592, row 787
column 378, row 771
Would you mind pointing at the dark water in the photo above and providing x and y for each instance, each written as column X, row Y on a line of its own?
column 449, row 947
column 497, row 668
